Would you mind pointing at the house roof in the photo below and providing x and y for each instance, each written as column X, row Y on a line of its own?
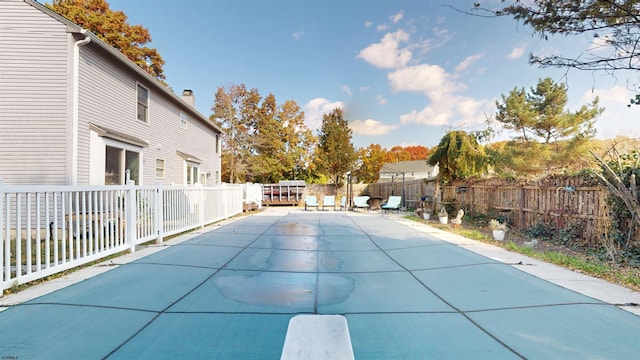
column 406, row 167
column 77, row 29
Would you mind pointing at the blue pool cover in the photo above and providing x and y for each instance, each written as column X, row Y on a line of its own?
column 229, row 293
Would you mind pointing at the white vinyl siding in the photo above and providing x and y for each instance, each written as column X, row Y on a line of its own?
column 33, row 96
column 36, row 52
column 117, row 110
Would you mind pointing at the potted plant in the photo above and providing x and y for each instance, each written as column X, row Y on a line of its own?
column 443, row 215
column 423, row 210
column 498, row 229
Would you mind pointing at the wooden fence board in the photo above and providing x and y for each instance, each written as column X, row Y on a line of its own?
column 555, row 202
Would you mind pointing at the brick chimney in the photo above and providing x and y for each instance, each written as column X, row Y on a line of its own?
column 187, row 96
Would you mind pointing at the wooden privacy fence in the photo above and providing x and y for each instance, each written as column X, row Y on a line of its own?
column 411, row 191
column 562, row 204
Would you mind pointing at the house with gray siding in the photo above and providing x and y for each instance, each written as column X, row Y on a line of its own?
column 74, row 111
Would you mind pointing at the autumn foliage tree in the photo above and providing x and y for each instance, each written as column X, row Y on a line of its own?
column 397, row 153
column 418, row 152
column 282, row 143
column 234, row 110
column 370, row 161
column 112, row 27
column 335, row 154
column 263, row 142
column 299, row 142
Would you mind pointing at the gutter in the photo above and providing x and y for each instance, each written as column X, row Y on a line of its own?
column 75, row 116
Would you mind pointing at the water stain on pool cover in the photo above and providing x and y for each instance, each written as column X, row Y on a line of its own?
column 299, row 286
column 289, row 290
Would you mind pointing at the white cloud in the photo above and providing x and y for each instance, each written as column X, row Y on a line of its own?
column 316, row 108
column 382, row 27
column 370, row 127
column 397, row 17
column 600, row 43
column 387, row 54
column 346, row 89
column 368, row 24
column 445, row 102
column 446, row 105
column 430, row 80
column 516, row 53
column 458, row 111
column 546, row 51
column 616, row 94
column 426, row 116
column 298, row 34
column 468, row 61
column 441, row 32
column 617, row 115
column 471, row 112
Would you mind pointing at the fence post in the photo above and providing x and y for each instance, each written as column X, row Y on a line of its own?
column 522, row 195
column 201, row 207
column 130, row 215
column 159, row 211
column 2, row 239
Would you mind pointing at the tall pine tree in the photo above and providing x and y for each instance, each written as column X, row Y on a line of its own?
column 548, row 136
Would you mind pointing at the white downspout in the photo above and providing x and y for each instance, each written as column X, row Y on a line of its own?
column 75, row 117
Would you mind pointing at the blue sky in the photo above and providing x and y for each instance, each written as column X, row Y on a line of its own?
column 404, row 71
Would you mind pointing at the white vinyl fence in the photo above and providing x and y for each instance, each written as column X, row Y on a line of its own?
column 48, row 229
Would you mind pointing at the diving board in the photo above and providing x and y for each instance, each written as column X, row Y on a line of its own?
column 311, row 337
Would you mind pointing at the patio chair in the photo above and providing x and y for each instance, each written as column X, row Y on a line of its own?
column 343, row 203
column 392, row 204
column 360, row 202
column 310, row 201
column 329, row 201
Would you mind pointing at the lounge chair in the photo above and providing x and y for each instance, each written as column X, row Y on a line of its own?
column 343, row 203
column 360, row 202
column 329, row 201
column 392, row 204
column 310, row 201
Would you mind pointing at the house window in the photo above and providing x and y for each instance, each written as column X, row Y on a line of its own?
column 117, row 162
column 159, row 168
column 217, row 144
column 193, row 174
column 143, row 104
column 184, row 120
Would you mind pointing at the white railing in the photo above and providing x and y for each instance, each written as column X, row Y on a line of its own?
column 48, row 229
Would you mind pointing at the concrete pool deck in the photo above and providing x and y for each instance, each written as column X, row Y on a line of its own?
column 406, row 290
